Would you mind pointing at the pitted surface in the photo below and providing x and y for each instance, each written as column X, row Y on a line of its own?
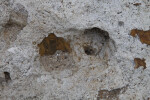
column 95, row 63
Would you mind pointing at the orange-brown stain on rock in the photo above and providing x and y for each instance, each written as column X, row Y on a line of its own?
column 52, row 43
column 137, row 4
column 143, row 35
column 112, row 94
column 139, row 62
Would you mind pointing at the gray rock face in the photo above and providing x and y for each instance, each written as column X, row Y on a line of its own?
column 100, row 64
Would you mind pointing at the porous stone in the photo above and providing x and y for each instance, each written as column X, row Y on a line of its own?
column 88, row 49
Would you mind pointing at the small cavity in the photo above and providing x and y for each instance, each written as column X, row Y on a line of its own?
column 7, row 76
column 97, row 42
column 89, row 50
column 55, row 54
column 121, row 23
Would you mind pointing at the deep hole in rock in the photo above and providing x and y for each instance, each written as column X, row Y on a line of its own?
column 88, row 50
column 52, row 43
column 7, row 76
column 98, row 43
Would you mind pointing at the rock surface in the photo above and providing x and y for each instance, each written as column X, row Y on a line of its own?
column 101, row 59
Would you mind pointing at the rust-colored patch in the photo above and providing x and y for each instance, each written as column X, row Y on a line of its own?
column 112, row 94
column 139, row 62
column 137, row 4
column 52, row 43
column 143, row 35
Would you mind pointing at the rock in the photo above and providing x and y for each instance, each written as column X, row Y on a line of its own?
column 72, row 49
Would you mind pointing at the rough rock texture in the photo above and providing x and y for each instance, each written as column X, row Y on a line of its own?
column 100, row 64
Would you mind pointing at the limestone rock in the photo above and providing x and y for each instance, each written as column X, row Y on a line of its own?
column 91, row 49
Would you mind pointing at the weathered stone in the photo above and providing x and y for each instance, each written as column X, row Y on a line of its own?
column 98, row 57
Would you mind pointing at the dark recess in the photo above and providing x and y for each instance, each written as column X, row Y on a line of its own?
column 7, row 76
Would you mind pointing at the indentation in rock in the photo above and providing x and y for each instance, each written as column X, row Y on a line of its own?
column 19, row 16
column 17, row 21
column 98, row 43
column 58, row 61
column 121, row 23
column 7, row 76
column 55, row 54
column 110, row 95
column 143, row 35
column 88, row 50
column 139, row 62
column 52, row 43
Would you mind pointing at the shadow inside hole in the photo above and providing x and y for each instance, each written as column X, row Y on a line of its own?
column 100, row 32
column 7, row 76
column 89, row 50
column 98, row 43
